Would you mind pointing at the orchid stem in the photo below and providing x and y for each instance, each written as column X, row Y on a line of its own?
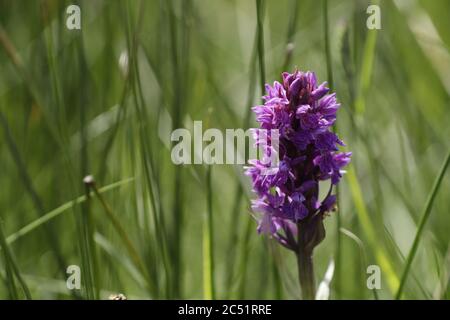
column 306, row 274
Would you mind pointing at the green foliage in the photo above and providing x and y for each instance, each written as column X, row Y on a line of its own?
column 151, row 229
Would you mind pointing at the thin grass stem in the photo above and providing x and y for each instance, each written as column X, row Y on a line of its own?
column 11, row 267
column 425, row 216
column 133, row 253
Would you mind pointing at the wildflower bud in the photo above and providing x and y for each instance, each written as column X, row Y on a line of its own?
column 89, row 180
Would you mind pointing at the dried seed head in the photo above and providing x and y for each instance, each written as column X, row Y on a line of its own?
column 118, row 296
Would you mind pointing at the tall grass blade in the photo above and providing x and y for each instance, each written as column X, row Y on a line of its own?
column 208, row 242
column 133, row 253
column 11, row 268
column 292, row 26
column 369, row 231
column 366, row 69
column 260, row 4
column 424, row 218
column 178, row 97
column 59, row 210
column 330, row 79
column 30, row 189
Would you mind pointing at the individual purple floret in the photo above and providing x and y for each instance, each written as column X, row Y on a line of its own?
column 304, row 113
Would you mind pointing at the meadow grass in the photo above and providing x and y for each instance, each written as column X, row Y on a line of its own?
column 150, row 229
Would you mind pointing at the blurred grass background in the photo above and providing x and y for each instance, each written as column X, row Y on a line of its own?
column 150, row 229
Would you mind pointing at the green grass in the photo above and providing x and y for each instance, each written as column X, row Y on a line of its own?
column 153, row 230
column 423, row 221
